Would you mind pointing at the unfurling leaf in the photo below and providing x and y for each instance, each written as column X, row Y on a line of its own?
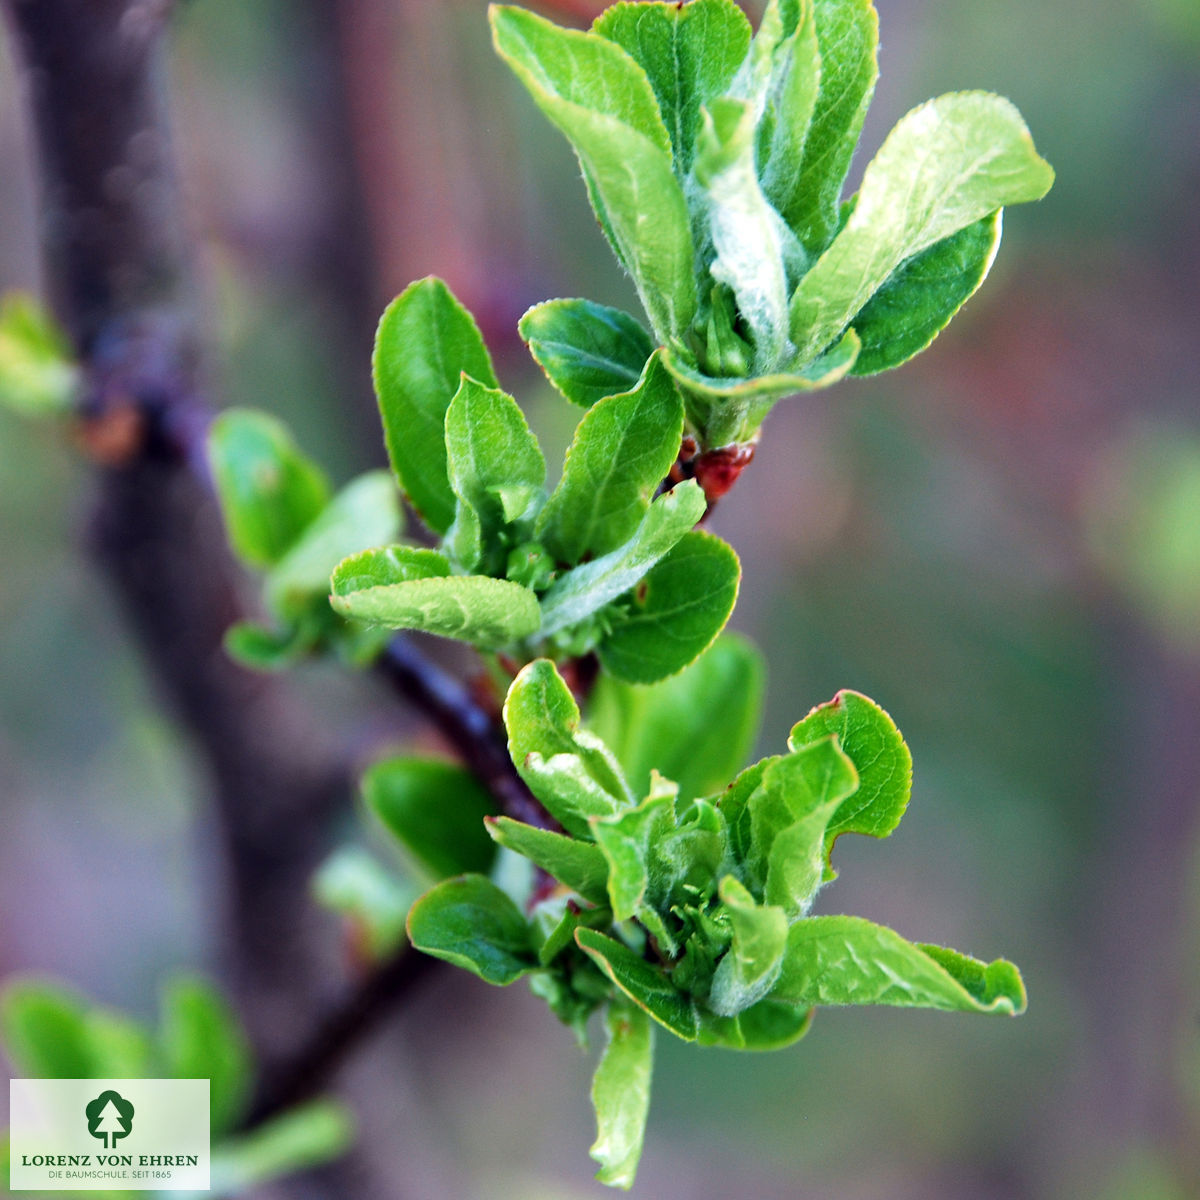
column 496, row 472
column 405, row 588
column 621, row 1093
column 577, row 864
column 569, row 770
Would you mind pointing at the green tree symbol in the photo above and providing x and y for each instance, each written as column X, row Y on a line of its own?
column 109, row 1117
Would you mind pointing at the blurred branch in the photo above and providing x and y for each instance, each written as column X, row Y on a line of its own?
column 119, row 275
column 119, row 272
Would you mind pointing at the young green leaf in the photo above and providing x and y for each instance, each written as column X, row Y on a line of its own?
column 269, row 491
column 38, row 376
column 366, row 512
column 496, row 471
column 870, row 739
column 587, row 350
column 263, row 649
column 921, row 295
column 731, row 410
column 677, row 610
column 374, row 900
column 44, row 1031
column 426, row 341
column 404, row 588
column 767, row 1025
column 48, row 1031
column 569, row 770
column 622, row 451
column 586, row 589
column 697, row 727
column 789, row 821
column 621, row 1093
column 747, row 233
column 600, row 99
column 642, row 982
column 690, row 54
column 470, row 922
column 846, row 960
column 789, row 104
column 946, row 165
column 305, row 1136
column 629, row 840
column 847, row 34
column 435, row 809
column 581, row 866
column 202, row 1039
column 755, row 956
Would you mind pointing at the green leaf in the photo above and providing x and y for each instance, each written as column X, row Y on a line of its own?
column 676, row 612
column 870, row 739
column 268, row 490
column 767, row 1025
column 470, row 922
column 690, row 54
column 728, row 410
column 789, row 105
column 579, row 865
column 202, row 1039
column 629, row 840
column 586, row 589
column 848, row 38
column 621, row 452
column 621, row 1094
column 599, row 98
column 50, row 1032
column 846, row 960
column 354, row 884
column 38, row 376
column 569, row 770
column 697, row 727
column 587, row 350
column 365, row 513
column 946, row 165
column 920, row 296
column 426, row 341
column 303, row 1137
column 642, row 982
column 755, row 956
column 404, row 588
column 263, row 649
column 748, row 235
column 789, row 821
column 436, row 810
column 496, row 471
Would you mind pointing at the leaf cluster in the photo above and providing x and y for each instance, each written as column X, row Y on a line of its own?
column 51, row 1032
column 284, row 519
column 686, row 902
column 715, row 162
column 605, row 562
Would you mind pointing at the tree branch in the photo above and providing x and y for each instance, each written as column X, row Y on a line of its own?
column 118, row 271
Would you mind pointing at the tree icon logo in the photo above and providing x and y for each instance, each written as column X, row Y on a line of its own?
column 109, row 1117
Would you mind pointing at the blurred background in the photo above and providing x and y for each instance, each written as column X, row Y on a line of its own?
column 1000, row 543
